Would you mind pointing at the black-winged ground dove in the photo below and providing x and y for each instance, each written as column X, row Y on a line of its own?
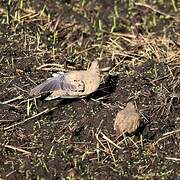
column 127, row 120
column 71, row 84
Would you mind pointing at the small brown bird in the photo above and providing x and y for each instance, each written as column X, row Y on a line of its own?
column 127, row 120
column 72, row 84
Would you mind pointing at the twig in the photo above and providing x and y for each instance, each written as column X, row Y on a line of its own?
column 12, row 100
column 133, row 142
column 97, row 137
column 98, row 129
column 156, row 10
column 22, row 122
column 106, row 69
column 85, row 50
column 8, row 106
column 102, row 103
column 16, row 149
column 111, row 152
column 171, row 132
column 7, row 175
column 55, row 65
column 107, row 139
column 54, row 69
column 26, row 100
column 171, row 158
column 6, row 120
column 166, row 135
column 97, row 151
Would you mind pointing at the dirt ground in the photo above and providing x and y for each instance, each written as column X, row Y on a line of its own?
column 138, row 49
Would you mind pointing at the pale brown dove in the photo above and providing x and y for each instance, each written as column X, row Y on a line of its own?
column 127, row 120
column 71, row 84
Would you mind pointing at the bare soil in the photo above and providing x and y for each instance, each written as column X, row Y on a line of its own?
column 137, row 46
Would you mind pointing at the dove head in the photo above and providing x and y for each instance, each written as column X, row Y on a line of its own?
column 94, row 65
column 130, row 106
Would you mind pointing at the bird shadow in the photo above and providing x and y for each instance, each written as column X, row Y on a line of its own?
column 105, row 89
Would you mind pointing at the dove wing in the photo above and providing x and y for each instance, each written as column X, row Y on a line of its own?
column 60, row 82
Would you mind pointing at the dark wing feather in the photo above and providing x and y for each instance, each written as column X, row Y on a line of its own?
column 60, row 82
